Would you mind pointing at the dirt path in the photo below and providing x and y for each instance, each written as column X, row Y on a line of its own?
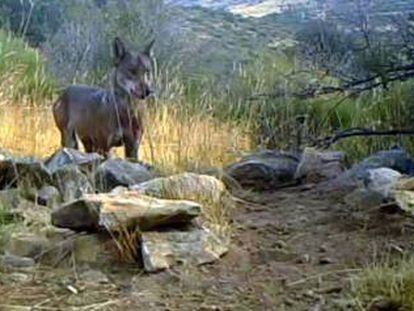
column 292, row 250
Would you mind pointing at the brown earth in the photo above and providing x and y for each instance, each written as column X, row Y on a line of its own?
column 292, row 250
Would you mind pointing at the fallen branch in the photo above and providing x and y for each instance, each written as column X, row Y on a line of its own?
column 326, row 142
column 400, row 73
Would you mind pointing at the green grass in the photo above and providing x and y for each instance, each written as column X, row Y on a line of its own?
column 390, row 282
column 23, row 76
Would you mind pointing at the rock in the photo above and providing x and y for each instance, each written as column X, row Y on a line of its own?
column 164, row 249
column 27, row 245
column 265, row 170
column 375, row 189
column 187, row 186
column 403, row 193
column 303, row 259
column 325, row 261
column 396, row 159
column 71, row 157
column 94, row 249
column 129, row 209
column 316, row 166
column 94, row 277
column 72, row 183
column 23, row 173
column 48, row 196
column 118, row 172
column 360, row 174
column 13, row 261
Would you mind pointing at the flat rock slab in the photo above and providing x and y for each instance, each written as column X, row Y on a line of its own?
column 186, row 186
column 129, row 209
column 162, row 250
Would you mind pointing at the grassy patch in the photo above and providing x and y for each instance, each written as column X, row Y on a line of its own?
column 390, row 283
column 23, row 76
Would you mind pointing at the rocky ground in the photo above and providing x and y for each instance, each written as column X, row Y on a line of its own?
column 297, row 241
column 291, row 250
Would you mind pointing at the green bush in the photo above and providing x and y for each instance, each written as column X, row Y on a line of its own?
column 23, row 76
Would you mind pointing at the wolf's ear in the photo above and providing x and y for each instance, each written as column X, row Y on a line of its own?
column 149, row 49
column 119, row 50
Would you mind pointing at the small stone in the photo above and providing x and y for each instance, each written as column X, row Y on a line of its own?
column 94, row 276
column 280, row 244
column 48, row 196
column 325, row 261
column 323, row 249
column 303, row 259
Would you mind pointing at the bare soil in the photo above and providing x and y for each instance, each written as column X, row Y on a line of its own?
column 292, row 250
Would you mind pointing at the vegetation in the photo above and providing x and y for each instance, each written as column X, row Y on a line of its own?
column 23, row 76
column 226, row 85
column 390, row 285
column 194, row 89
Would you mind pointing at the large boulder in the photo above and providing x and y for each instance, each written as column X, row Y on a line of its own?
column 265, row 170
column 126, row 210
column 164, row 249
column 117, row 172
column 316, row 166
column 186, row 186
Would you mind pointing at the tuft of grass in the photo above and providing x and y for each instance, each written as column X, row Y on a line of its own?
column 388, row 283
column 23, row 76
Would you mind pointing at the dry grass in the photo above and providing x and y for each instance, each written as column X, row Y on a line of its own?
column 172, row 142
column 388, row 283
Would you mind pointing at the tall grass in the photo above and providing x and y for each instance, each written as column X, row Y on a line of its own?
column 204, row 121
column 388, row 283
column 23, row 76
